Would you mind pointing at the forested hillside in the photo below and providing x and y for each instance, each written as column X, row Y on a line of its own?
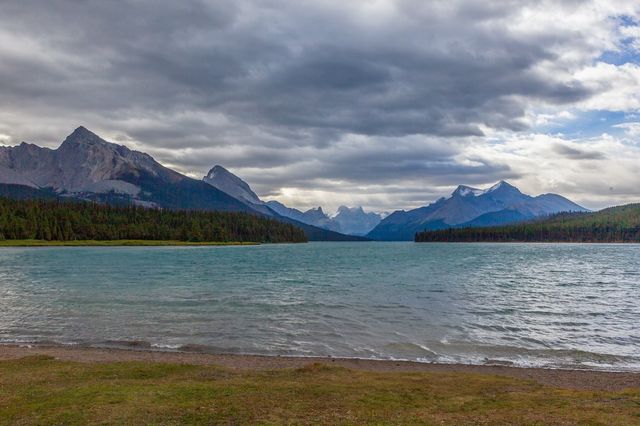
column 66, row 221
column 615, row 224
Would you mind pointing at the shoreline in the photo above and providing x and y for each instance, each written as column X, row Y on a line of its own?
column 621, row 243
column 562, row 378
column 120, row 243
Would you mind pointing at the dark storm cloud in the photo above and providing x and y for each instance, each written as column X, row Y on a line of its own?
column 276, row 66
column 275, row 84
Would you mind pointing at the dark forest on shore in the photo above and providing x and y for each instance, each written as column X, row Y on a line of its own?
column 613, row 225
column 58, row 220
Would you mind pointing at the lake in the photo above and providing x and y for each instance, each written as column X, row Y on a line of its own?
column 551, row 305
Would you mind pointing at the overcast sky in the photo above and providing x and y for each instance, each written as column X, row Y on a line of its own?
column 386, row 104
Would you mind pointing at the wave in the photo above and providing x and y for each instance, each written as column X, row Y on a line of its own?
column 411, row 349
column 443, row 352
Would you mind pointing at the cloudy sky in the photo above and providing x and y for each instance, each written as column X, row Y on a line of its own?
column 384, row 103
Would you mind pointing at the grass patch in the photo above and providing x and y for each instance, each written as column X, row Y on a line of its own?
column 41, row 390
column 83, row 243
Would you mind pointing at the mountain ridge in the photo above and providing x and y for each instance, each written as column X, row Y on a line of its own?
column 315, row 216
column 355, row 221
column 351, row 222
column 467, row 206
column 88, row 167
column 226, row 181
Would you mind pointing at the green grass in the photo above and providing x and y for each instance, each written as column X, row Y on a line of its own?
column 41, row 390
column 44, row 243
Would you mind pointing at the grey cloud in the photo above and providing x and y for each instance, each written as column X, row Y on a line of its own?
column 264, row 68
column 413, row 169
column 577, row 153
column 276, row 85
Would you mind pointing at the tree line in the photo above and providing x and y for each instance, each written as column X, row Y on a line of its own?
column 615, row 224
column 59, row 220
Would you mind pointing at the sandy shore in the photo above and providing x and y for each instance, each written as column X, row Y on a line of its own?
column 573, row 379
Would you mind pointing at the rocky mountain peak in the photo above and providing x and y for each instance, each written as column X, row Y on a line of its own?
column 84, row 162
column 503, row 186
column 218, row 170
column 355, row 220
column 225, row 181
column 83, row 136
column 346, row 210
column 316, row 213
column 466, row 191
column 499, row 189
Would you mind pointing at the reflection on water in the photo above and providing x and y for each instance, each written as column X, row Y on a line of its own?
column 541, row 304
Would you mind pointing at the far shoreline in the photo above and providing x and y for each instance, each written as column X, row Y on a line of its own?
column 529, row 242
column 563, row 378
column 121, row 243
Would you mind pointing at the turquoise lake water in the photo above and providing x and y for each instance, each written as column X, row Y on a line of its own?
column 554, row 305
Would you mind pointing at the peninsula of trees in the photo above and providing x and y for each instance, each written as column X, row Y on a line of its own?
column 613, row 225
column 58, row 220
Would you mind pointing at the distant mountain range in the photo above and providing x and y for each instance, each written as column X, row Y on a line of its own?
column 315, row 216
column 472, row 207
column 87, row 167
column 355, row 221
column 350, row 221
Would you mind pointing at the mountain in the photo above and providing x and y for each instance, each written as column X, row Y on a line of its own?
column 285, row 211
column 315, row 223
column 502, row 203
column 495, row 218
column 319, row 218
column 350, row 221
column 222, row 179
column 355, row 221
column 613, row 225
column 347, row 221
column 87, row 167
column 316, row 217
column 226, row 181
